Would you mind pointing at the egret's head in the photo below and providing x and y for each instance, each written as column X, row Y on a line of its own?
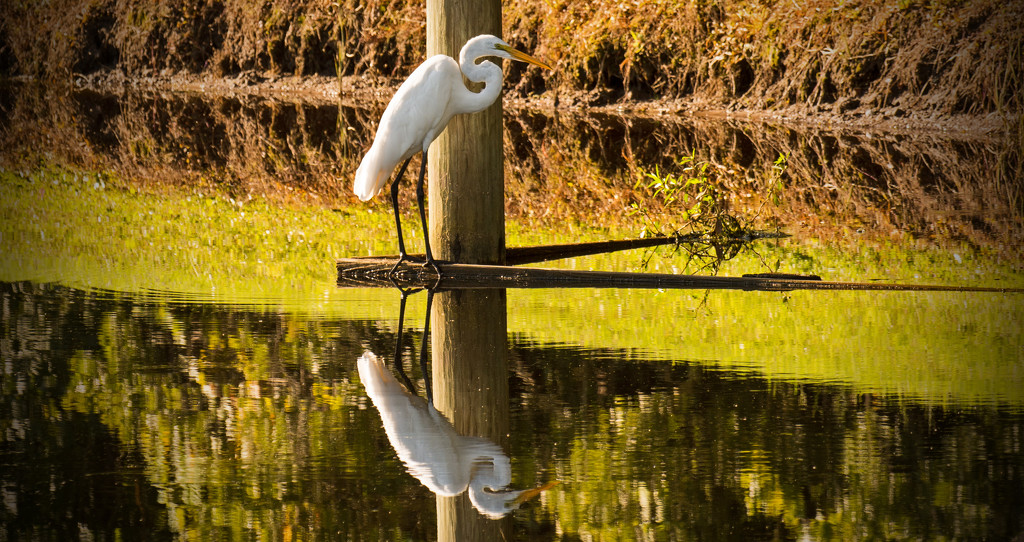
column 516, row 54
column 488, row 45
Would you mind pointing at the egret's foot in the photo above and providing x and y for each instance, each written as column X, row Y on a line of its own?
column 432, row 264
column 392, row 275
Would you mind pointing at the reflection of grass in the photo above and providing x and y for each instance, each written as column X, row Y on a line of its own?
column 937, row 347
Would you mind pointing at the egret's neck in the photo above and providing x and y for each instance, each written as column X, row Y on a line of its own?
column 485, row 72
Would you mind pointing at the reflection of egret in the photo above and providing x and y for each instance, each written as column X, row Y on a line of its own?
column 443, row 460
column 419, row 112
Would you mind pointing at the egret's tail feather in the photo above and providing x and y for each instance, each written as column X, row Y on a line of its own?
column 370, row 177
column 372, row 373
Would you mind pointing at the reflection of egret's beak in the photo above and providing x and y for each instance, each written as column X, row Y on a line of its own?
column 531, row 493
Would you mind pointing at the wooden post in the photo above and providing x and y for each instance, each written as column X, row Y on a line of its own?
column 467, row 225
column 466, row 163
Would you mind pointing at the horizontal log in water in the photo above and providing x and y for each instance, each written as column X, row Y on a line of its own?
column 374, row 272
column 546, row 253
column 537, row 254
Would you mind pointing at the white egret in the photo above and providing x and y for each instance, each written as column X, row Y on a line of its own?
column 419, row 112
column 434, row 453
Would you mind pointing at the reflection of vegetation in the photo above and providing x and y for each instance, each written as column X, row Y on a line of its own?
column 673, row 450
column 209, row 421
column 240, row 422
column 939, row 348
column 846, row 190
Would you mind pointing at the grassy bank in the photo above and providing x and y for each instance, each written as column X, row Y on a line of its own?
column 853, row 191
column 94, row 230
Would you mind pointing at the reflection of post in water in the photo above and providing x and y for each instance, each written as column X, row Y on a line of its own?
column 470, row 368
column 468, row 472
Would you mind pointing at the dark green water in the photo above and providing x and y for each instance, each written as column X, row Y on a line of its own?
column 128, row 417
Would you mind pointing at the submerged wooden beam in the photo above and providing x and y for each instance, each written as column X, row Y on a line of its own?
column 375, row 272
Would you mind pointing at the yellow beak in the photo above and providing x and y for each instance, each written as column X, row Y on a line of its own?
column 521, row 56
column 531, row 493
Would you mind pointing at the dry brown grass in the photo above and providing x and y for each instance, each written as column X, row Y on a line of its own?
column 912, row 58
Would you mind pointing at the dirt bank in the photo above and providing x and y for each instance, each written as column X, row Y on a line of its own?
column 912, row 64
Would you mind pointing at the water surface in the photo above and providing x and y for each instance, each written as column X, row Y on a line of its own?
column 154, row 418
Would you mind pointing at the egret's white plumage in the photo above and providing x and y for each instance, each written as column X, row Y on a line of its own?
column 413, row 119
column 422, row 107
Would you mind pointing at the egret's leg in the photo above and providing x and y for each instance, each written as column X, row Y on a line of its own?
column 398, row 340
column 423, row 219
column 424, row 348
column 402, row 255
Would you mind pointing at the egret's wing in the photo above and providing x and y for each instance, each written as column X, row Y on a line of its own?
column 416, row 115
